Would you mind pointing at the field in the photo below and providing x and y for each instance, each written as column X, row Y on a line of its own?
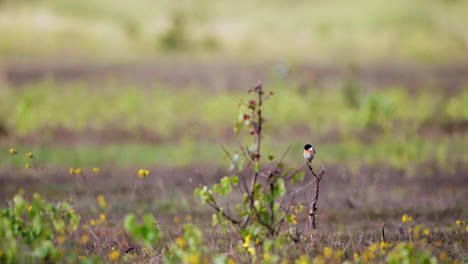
column 133, row 133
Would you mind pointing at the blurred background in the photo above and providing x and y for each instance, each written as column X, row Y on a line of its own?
column 379, row 88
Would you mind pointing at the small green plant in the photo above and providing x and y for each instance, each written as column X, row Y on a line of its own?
column 147, row 232
column 31, row 231
column 261, row 217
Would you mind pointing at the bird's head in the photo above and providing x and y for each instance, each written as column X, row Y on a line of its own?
column 308, row 146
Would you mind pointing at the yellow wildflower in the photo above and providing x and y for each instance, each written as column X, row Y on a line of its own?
column 29, row 155
column 27, row 165
column 383, row 245
column 426, row 232
column 466, row 228
column 92, row 222
column 85, row 227
column 71, row 171
column 458, row 222
column 327, row 252
column 143, row 173
column 71, row 211
column 266, row 256
column 78, row 171
column 193, row 258
column 406, row 218
column 102, row 217
column 355, row 256
column 302, row 260
column 251, row 250
column 13, row 151
column 443, row 256
column 60, row 239
column 96, row 170
column 180, row 242
column 188, row 218
column 114, row 255
column 29, row 208
column 231, row 261
column 84, row 239
column 101, row 201
column 247, row 241
column 294, row 219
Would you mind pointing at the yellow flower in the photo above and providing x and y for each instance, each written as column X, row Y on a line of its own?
column 251, row 250
column 294, row 219
column 29, row 155
column 426, row 232
column 406, row 218
column 101, row 201
column 458, row 222
column 383, row 245
column 29, row 208
column 193, row 258
column 143, row 173
column 114, row 255
column 96, row 170
column 92, row 222
column 13, row 151
column 355, row 256
column 102, row 217
column 60, row 239
column 188, row 218
column 247, row 241
column 84, row 239
column 466, row 228
column 85, row 227
column 231, row 261
column 71, row 211
column 71, row 171
column 78, row 171
column 302, row 260
column 266, row 256
column 180, row 242
column 327, row 252
column 27, row 165
column 443, row 256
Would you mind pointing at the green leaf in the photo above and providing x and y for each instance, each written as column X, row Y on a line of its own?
column 298, row 177
column 234, row 180
column 256, row 167
column 279, row 189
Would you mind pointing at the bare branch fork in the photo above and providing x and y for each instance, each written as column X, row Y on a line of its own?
column 313, row 205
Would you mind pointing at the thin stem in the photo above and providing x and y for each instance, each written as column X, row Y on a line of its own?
column 313, row 205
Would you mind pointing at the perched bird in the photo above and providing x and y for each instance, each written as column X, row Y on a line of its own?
column 309, row 152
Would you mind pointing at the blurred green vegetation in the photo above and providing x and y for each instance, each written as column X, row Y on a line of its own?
column 359, row 30
column 184, row 126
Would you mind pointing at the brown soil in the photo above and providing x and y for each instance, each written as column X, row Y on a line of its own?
column 233, row 76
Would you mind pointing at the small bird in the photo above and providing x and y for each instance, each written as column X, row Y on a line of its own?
column 309, row 153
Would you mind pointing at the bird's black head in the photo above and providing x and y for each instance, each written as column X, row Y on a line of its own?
column 308, row 146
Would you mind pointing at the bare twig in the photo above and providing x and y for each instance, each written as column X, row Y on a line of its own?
column 313, row 205
column 382, row 231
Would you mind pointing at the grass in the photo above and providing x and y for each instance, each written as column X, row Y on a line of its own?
column 361, row 30
column 383, row 160
column 64, row 124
